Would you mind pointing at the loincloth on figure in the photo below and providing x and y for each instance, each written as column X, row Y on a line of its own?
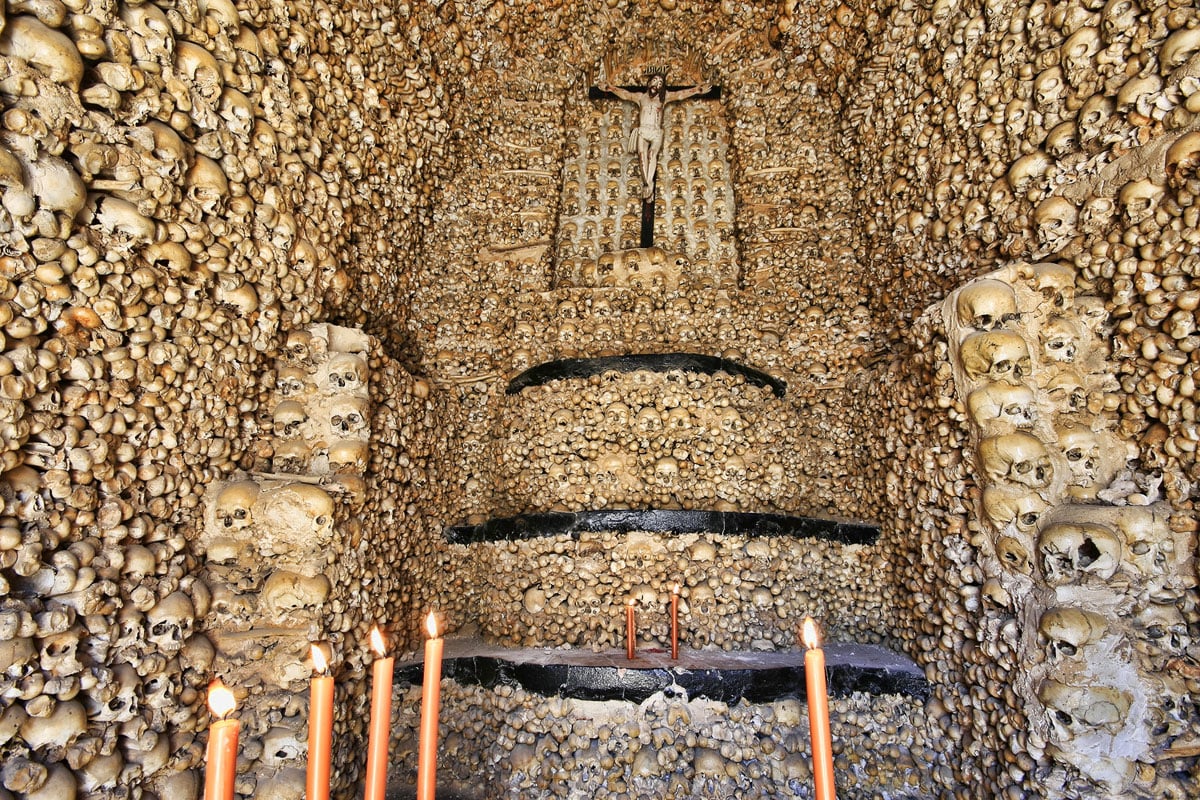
column 643, row 134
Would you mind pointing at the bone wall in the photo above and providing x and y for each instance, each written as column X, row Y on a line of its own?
column 186, row 184
column 177, row 179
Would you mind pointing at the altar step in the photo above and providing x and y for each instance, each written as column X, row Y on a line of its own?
column 729, row 677
column 665, row 521
column 536, row 724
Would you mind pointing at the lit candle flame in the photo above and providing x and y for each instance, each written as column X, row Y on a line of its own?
column 377, row 643
column 675, row 589
column 431, row 625
column 632, row 602
column 318, row 659
column 221, row 701
column 811, row 639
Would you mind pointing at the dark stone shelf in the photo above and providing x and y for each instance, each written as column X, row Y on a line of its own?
column 648, row 362
column 717, row 675
column 532, row 526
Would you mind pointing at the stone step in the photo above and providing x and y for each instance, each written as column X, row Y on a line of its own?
column 729, row 677
column 576, row 368
column 666, row 521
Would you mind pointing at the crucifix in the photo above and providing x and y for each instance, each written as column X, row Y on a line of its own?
column 648, row 135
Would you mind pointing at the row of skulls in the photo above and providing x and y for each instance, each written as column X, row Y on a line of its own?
column 1074, row 543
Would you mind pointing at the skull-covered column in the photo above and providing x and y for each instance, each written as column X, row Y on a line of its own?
column 266, row 540
column 1073, row 540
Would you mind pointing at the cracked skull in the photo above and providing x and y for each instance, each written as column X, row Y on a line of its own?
column 1071, row 552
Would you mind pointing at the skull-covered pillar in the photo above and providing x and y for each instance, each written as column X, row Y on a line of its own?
column 1084, row 569
column 266, row 540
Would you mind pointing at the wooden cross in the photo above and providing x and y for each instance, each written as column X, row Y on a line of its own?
column 596, row 93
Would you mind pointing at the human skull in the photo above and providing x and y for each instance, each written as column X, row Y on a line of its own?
column 150, row 38
column 282, row 746
column 1067, row 392
column 1068, row 630
column 302, row 510
column 1062, row 140
column 679, row 419
column 170, row 621
column 200, row 69
column 349, row 456
column 1096, row 215
column 1078, row 55
column 237, row 112
column 265, row 142
column 302, row 347
column 986, row 305
column 347, row 373
column 234, row 506
column 1071, row 552
column 1163, row 628
column 1139, row 200
column 1082, row 448
column 1118, row 19
column 1149, row 547
column 1078, row 710
column 58, row 653
column 1029, row 173
column 666, row 473
column 54, row 733
column 648, row 422
column 1048, row 89
column 1093, row 117
column 206, row 185
column 1183, row 159
column 289, row 418
column 284, row 591
column 1018, row 458
column 292, row 382
column 996, row 406
column 1013, row 554
column 997, row 356
column 702, row 551
column 1056, row 219
column 291, row 455
column 349, row 417
column 702, row 600
column 1060, row 339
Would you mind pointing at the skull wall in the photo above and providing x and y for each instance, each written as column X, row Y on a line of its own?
column 172, row 201
column 161, row 243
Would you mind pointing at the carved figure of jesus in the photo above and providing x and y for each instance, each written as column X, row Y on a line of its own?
column 647, row 137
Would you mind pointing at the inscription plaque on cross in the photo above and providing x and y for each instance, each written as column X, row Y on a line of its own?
column 647, row 137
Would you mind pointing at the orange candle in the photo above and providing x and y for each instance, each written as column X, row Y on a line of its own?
column 675, row 621
column 818, row 714
column 320, row 729
column 381, row 718
column 630, row 634
column 431, row 696
column 221, row 755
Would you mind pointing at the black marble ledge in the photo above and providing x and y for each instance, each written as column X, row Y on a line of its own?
column 757, row 677
column 666, row 521
column 569, row 368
